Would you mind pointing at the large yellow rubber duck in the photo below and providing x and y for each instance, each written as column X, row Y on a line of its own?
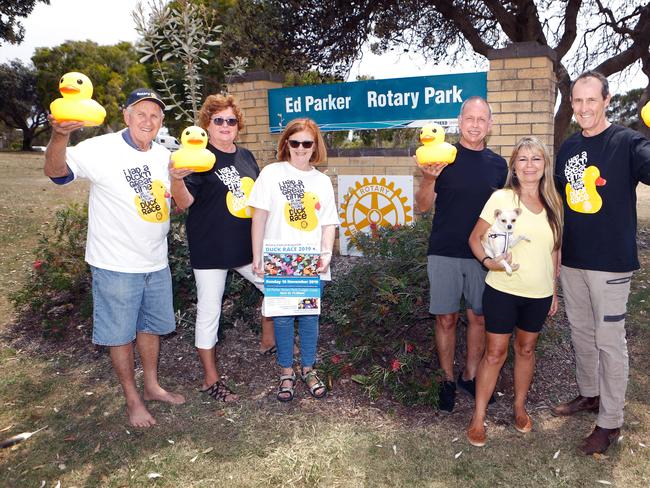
column 435, row 149
column 238, row 205
column 193, row 153
column 645, row 114
column 586, row 199
column 155, row 209
column 304, row 218
column 77, row 104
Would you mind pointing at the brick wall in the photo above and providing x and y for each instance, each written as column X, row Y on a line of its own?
column 521, row 90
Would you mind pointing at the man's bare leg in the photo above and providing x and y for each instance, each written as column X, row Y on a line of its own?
column 446, row 342
column 122, row 359
column 475, row 344
column 149, row 348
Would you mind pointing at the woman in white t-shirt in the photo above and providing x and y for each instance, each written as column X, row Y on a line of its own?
column 521, row 301
column 294, row 204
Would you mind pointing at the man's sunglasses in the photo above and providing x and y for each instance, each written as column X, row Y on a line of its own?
column 296, row 144
column 218, row 121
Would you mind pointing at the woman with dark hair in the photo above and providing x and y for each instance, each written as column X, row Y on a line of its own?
column 219, row 230
column 521, row 301
column 294, row 204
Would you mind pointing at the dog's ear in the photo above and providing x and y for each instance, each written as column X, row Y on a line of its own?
column 518, row 211
column 497, row 212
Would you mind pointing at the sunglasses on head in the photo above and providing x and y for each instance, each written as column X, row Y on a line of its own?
column 296, row 144
column 218, row 121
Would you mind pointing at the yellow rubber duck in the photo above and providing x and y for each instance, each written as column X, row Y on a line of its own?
column 238, row 206
column 303, row 218
column 193, row 153
column 586, row 199
column 645, row 114
column 155, row 209
column 77, row 104
column 435, row 149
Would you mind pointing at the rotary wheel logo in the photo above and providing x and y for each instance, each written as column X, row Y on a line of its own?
column 371, row 204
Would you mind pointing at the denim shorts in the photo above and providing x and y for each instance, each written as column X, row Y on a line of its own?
column 127, row 303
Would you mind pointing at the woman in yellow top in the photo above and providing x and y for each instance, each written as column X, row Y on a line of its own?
column 524, row 299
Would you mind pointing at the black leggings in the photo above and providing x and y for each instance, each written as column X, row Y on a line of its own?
column 503, row 312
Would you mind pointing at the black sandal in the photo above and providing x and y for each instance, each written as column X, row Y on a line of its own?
column 285, row 393
column 220, row 392
column 318, row 389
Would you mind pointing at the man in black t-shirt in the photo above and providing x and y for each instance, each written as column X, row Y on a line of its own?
column 597, row 171
column 460, row 192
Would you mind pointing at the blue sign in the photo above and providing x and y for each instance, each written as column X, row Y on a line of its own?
column 377, row 104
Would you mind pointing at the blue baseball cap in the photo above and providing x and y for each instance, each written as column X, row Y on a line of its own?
column 140, row 94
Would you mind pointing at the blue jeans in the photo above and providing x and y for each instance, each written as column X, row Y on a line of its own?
column 308, row 331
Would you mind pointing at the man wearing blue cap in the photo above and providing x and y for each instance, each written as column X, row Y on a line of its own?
column 126, row 247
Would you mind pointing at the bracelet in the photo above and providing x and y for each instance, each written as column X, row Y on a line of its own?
column 483, row 260
column 326, row 253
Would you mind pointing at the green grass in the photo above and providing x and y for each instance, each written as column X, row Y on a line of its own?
column 258, row 442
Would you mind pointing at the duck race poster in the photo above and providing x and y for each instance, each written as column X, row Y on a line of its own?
column 291, row 284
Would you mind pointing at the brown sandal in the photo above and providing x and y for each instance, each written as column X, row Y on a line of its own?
column 220, row 392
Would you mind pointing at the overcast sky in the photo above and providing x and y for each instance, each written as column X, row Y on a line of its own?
column 109, row 21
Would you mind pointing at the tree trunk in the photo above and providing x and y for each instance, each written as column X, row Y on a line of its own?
column 28, row 137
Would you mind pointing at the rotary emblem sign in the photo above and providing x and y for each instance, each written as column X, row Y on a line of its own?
column 368, row 202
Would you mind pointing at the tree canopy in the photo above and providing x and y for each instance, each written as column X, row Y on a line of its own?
column 584, row 34
column 114, row 71
column 11, row 30
column 21, row 107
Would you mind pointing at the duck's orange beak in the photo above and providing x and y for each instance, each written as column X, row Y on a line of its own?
column 167, row 194
column 426, row 138
column 69, row 89
column 317, row 206
column 600, row 181
column 195, row 141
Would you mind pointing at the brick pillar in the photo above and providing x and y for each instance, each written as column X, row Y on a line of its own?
column 251, row 90
column 521, row 89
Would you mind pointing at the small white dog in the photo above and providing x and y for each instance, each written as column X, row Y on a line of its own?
column 499, row 238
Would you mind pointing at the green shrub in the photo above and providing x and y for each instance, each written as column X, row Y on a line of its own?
column 59, row 284
column 58, row 291
column 380, row 313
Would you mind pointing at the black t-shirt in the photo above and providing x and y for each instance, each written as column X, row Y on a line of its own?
column 462, row 189
column 218, row 224
column 597, row 178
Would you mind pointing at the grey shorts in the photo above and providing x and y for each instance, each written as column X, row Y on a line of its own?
column 453, row 278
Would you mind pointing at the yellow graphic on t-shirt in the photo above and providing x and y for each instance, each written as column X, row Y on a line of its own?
column 301, row 213
column 581, row 193
column 152, row 205
column 237, row 202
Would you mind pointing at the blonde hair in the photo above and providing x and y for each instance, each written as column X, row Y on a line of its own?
column 215, row 104
column 297, row 125
column 549, row 196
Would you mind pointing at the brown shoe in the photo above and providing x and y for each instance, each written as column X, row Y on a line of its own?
column 599, row 441
column 578, row 404
column 523, row 424
column 476, row 436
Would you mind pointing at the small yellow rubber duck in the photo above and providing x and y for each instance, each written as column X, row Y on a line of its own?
column 193, row 153
column 586, row 199
column 435, row 149
column 303, row 218
column 77, row 104
column 645, row 114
